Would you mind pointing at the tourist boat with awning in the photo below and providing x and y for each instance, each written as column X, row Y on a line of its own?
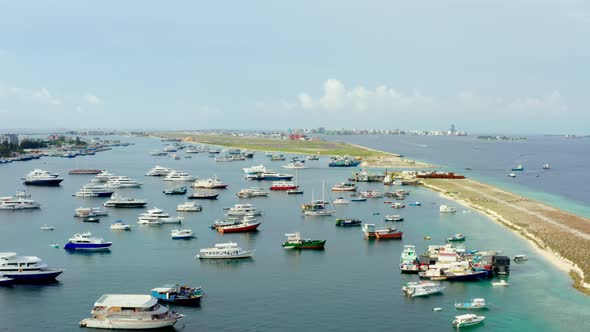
column 228, row 250
column 179, row 295
column 26, row 269
column 129, row 312
column 295, row 241
column 16, row 203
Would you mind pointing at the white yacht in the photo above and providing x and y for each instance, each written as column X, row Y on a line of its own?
column 341, row 200
column 179, row 176
column 214, row 183
column 117, row 201
column 253, row 192
column 423, row 288
column 243, row 209
column 39, row 177
column 229, row 250
column 467, row 320
column 159, row 171
column 122, row 182
column 189, row 207
column 295, row 165
column 83, row 212
column 103, row 176
column 447, row 209
column 14, row 203
column 119, row 225
column 157, row 216
column 26, row 268
column 94, row 190
column 181, row 234
column 127, row 311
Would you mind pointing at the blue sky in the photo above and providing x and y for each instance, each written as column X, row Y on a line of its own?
column 487, row 66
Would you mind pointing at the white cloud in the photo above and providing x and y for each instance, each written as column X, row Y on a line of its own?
column 92, row 99
column 40, row 96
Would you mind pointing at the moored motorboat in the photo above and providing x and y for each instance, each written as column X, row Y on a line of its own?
column 393, row 217
column 85, row 241
column 252, row 192
column 246, row 225
column 129, row 311
column 228, row 250
column 120, row 225
column 243, row 209
column 46, row 228
column 520, row 258
column 447, row 209
column 180, row 295
column 181, row 234
column 341, row 200
column 457, row 238
column 388, row 233
column 26, row 269
column 295, row 241
column 467, row 320
column 38, row 177
column 344, row 186
column 409, row 260
column 476, row 303
column 203, row 195
column 178, row 190
column 422, row 288
column 214, row 183
column 189, row 207
column 347, row 222
column 283, row 185
column 117, row 201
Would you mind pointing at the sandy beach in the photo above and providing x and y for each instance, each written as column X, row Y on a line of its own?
column 563, row 238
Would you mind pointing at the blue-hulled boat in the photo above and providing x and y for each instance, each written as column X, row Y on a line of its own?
column 25, row 269
column 178, row 294
column 5, row 281
column 85, row 241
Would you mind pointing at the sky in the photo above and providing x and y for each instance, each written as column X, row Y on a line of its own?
column 486, row 66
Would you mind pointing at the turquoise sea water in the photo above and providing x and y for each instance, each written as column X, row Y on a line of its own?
column 353, row 285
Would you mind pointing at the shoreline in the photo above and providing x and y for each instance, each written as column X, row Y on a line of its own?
column 540, row 246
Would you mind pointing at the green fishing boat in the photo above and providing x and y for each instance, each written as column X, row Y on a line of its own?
column 294, row 241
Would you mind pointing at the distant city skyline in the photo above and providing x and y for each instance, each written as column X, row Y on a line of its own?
column 496, row 67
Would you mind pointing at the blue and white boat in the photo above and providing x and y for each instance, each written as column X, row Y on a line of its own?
column 415, row 204
column 478, row 303
column 24, row 269
column 4, row 281
column 85, row 241
column 178, row 294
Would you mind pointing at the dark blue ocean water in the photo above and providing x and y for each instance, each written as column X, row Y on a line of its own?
column 564, row 186
column 353, row 285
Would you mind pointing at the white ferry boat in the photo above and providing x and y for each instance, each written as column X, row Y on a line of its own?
column 179, row 176
column 159, row 171
column 243, row 209
column 189, row 207
column 229, row 250
column 131, row 312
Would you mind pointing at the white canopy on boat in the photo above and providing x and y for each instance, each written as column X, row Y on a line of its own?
column 126, row 300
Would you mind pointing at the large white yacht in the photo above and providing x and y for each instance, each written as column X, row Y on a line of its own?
column 253, row 192
column 229, row 250
column 157, row 216
column 104, row 176
column 122, row 182
column 39, row 177
column 94, row 190
column 159, row 171
column 214, row 183
column 17, row 203
column 131, row 312
column 124, row 202
column 179, row 176
column 26, row 268
column 242, row 210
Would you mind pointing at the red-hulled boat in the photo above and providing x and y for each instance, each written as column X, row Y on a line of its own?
column 388, row 233
column 283, row 185
column 246, row 226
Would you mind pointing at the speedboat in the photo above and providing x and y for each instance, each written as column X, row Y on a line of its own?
column 5, row 281
column 214, row 183
column 189, row 207
column 181, row 234
column 502, row 282
column 512, row 175
column 312, row 157
column 47, row 228
column 477, row 303
column 180, row 295
column 26, row 268
column 228, row 250
column 158, row 153
column 415, row 204
column 467, row 320
column 447, row 209
column 117, row 201
column 422, row 288
column 357, row 198
column 38, row 177
column 456, row 238
column 129, row 311
column 341, row 200
column 122, row 182
column 159, row 171
column 295, row 241
column 518, row 168
column 398, row 205
column 85, row 241
column 546, row 166
column 520, row 258
column 202, row 195
column 119, row 225
column 179, row 176
column 242, row 210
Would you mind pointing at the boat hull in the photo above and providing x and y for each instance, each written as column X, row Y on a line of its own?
column 389, row 236
column 87, row 246
column 128, row 324
column 231, row 229
column 46, row 183
column 316, row 245
column 128, row 205
column 203, row 197
column 247, row 254
column 39, row 276
column 475, row 276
